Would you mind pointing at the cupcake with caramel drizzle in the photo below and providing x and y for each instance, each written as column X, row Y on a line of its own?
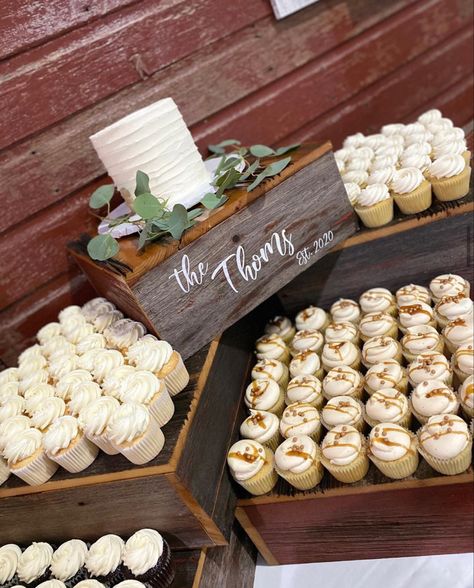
column 273, row 369
column 377, row 324
column 430, row 365
column 262, row 426
column 412, row 293
column 265, row 394
column 448, row 285
column 272, row 347
column 307, row 389
column 344, row 331
column 312, row 317
column 466, row 397
column 345, row 310
column 387, row 406
column 252, row 466
column 450, row 308
column 298, row 461
column 432, row 397
column 378, row 300
column 386, row 374
column 379, row 349
column 343, row 381
column 344, row 454
column 340, row 353
column 415, row 315
column 446, row 443
column 307, row 340
column 416, row 340
column 300, row 419
column 458, row 332
column 393, row 450
column 343, row 410
column 281, row 326
column 306, row 363
column 463, row 361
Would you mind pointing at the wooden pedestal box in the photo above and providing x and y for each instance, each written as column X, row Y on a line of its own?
column 188, row 292
column 376, row 518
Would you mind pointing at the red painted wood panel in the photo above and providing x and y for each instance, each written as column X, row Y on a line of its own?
column 201, row 84
column 25, row 23
column 50, row 82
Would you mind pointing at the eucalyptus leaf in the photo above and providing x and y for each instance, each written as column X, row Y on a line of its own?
column 261, row 151
column 211, row 201
column 147, row 206
column 177, row 221
column 101, row 196
column 287, row 149
column 277, row 166
column 102, row 247
column 144, row 235
column 192, row 214
column 258, row 180
column 142, row 183
column 250, row 170
column 220, row 147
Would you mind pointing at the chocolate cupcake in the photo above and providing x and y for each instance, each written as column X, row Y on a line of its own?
column 104, row 560
column 147, row 559
column 33, row 564
column 53, row 583
column 68, row 562
column 9, row 556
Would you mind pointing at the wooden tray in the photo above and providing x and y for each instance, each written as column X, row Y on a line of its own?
column 305, row 208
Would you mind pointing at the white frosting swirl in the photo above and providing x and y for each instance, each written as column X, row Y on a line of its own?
column 344, row 331
column 342, row 445
column 27, row 367
column 113, row 385
column 389, row 441
column 352, row 191
column 48, row 332
column 68, row 312
column 38, row 377
column 345, row 310
column 279, row 325
column 61, row 365
column 387, row 406
column 434, row 397
column 373, row 194
column 341, row 381
column 8, row 390
column 128, row 422
column 376, row 300
column 423, row 148
column 392, row 129
column 344, row 154
column 450, row 146
column 12, row 427
column 383, row 175
column 453, row 307
column 429, row 116
column 9, row 375
column 444, row 436
column 385, row 374
column 466, row 392
column 412, row 293
column 305, row 363
column 245, row 459
column 296, row 455
column 358, row 163
column 355, row 176
column 312, row 317
column 307, row 340
column 149, row 355
column 429, row 365
column 421, row 137
column 269, row 368
column 95, row 307
column 75, row 328
column 303, row 389
column 105, row 361
column 140, row 386
column 68, row 559
column 392, row 149
column 419, row 339
column 47, row 412
column 105, row 555
column 260, row 426
column 459, row 331
column 83, row 395
column 103, row 321
column 10, row 407
column 124, row 333
column 9, row 556
column 356, row 140
column 262, row 394
column 68, row 383
column 29, row 353
column 23, row 445
column 96, row 417
column 57, row 346
column 142, row 551
column 407, row 179
column 299, row 419
column 463, row 358
column 413, row 129
column 340, row 353
column 341, row 410
column 92, row 341
column 415, row 314
column 383, row 161
column 448, row 285
column 375, row 141
column 375, row 324
column 379, row 349
column 61, row 434
column 270, row 347
column 447, row 166
column 34, row 561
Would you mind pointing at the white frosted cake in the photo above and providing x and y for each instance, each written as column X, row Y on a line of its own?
column 156, row 141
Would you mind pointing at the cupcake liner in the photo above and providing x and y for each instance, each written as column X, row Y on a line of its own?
column 175, row 374
column 103, row 443
column 36, row 470
column 392, row 332
column 285, row 378
column 45, row 576
column 461, row 376
column 351, row 472
column 78, row 456
column 273, row 442
column 4, row 472
column 404, row 422
column 265, row 480
column 161, row 407
column 441, row 321
column 416, row 201
column 112, row 578
column 160, row 575
column 400, row 468
column 447, row 189
column 409, row 357
column 468, row 411
column 144, row 448
column 449, row 467
column 288, row 338
column 279, row 407
column 467, row 157
column 81, row 575
column 305, row 480
column 376, row 216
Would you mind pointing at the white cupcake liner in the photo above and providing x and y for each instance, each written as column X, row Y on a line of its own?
column 144, row 448
column 37, row 470
column 176, row 380
column 161, row 407
column 78, row 456
column 103, row 443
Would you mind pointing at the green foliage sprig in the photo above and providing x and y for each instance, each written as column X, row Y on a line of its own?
column 238, row 167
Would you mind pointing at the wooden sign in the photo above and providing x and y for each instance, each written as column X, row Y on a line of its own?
column 247, row 251
column 283, row 8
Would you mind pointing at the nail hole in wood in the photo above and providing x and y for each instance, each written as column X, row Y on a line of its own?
column 235, row 238
column 81, row 504
column 33, row 152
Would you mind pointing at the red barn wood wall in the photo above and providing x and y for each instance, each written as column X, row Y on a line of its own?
column 70, row 67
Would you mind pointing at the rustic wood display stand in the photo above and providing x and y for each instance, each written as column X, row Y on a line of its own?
column 188, row 292
column 425, row 514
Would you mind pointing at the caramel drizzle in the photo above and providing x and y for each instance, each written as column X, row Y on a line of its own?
column 271, row 340
column 352, row 410
column 377, row 345
column 297, row 451
column 262, row 367
column 469, row 391
column 299, row 412
column 412, row 337
column 303, row 355
column 259, row 387
column 383, row 441
column 308, row 313
column 341, row 435
column 247, row 456
column 341, row 376
column 258, row 420
column 414, row 309
column 440, row 392
column 303, row 384
column 388, row 401
column 336, row 347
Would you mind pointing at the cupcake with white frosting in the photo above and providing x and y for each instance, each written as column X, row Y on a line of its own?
column 55, row 346
column 305, row 389
column 388, row 405
column 9, row 375
column 345, row 310
column 94, row 420
column 107, row 319
column 147, row 559
column 344, row 331
column 355, row 176
column 48, row 331
column 463, row 361
column 263, row 427
column 35, row 395
column 122, row 334
column 343, row 381
column 378, row 300
column 90, row 583
column 377, row 324
column 75, row 327
column 281, row 326
column 458, row 332
column 273, row 369
column 47, row 412
column 430, row 398
column 307, row 340
column 66, row 444
column 374, row 206
column 68, row 561
column 105, row 361
column 448, row 285
column 343, row 410
column 135, row 434
column 411, row 294
column 12, row 427
column 344, row 454
column 298, row 461
column 449, row 176
column 34, row 562
column 60, row 365
column 272, row 347
column 430, row 116
column 466, row 397
column 38, row 377
column 83, row 394
column 104, row 559
column 113, row 384
column 306, row 363
column 453, row 307
column 378, row 349
column 95, row 307
column 415, row 315
column 92, row 341
column 352, row 191
column 420, row 148
column 312, row 317
column 430, row 365
column 68, row 312
column 419, row 339
column 9, row 389
column 342, row 353
column 145, row 388
column 386, row 374
column 446, row 443
column 265, row 394
column 252, row 466
column 300, row 419
column 451, row 146
column 9, row 556
column 65, row 386
column 12, row 406
column 33, row 364
column 382, row 175
column 393, row 450
column 411, row 191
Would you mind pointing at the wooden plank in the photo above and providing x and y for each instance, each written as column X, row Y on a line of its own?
column 43, row 162
column 186, row 565
column 101, row 58
column 26, row 23
column 393, row 523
